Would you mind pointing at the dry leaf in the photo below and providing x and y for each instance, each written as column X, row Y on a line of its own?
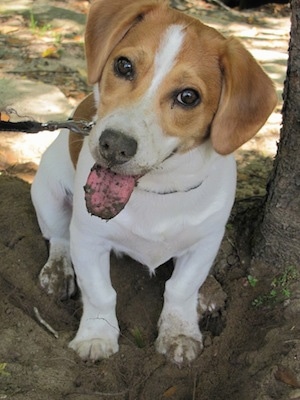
column 4, row 117
column 50, row 52
column 78, row 38
column 8, row 29
column 287, row 376
column 170, row 392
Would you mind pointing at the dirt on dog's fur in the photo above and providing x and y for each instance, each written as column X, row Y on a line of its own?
column 250, row 351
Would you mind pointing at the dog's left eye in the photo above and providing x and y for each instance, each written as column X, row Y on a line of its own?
column 188, row 98
column 123, row 67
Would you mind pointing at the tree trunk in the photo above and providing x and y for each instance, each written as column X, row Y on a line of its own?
column 279, row 237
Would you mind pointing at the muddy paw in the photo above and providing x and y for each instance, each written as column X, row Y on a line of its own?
column 57, row 278
column 94, row 349
column 211, row 298
column 179, row 349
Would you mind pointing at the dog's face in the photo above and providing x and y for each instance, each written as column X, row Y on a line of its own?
column 165, row 83
column 152, row 91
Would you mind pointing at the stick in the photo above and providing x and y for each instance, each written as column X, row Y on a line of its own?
column 44, row 323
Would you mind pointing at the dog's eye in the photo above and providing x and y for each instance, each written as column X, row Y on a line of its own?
column 188, row 98
column 124, row 68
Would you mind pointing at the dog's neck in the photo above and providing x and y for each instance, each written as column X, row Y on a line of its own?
column 180, row 173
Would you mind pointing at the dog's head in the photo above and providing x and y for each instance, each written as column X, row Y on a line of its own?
column 165, row 82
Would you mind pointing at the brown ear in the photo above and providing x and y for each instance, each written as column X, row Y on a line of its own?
column 108, row 22
column 248, row 97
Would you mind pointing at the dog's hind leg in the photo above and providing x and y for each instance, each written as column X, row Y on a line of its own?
column 51, row 194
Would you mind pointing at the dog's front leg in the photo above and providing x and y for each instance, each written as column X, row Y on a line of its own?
column 98, row 333
column 179, row 335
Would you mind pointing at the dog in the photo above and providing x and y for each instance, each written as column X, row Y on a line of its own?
column 155, row 179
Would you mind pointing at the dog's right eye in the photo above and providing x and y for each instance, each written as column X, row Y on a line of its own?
column 123, row 68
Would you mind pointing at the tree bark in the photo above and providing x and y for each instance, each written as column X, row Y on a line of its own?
column 279, row 237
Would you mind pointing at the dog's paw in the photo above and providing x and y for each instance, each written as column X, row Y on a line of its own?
column 179, row 337
column 179, row 349
column 211, row 298
column 57, row 278
column 94, row 349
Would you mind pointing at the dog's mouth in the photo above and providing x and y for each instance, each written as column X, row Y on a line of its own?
column 107, row 193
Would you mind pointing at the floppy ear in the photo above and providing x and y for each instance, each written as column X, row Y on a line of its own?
column 248, row 97
column 108, row 22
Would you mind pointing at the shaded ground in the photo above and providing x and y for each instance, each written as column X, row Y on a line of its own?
column 251, row 348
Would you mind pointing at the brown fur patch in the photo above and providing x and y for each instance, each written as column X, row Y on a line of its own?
column 85, row 111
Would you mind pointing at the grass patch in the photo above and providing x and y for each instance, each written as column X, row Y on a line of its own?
column 280, row 288
column 37, row 27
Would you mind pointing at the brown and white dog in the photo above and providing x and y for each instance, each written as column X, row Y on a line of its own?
column 173, row 100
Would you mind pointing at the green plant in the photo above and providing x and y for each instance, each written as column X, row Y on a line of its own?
column 280, row 290
column 2, row 370
column 57, row 38
column 138, row 337
column 34, row 25
column 252, row 280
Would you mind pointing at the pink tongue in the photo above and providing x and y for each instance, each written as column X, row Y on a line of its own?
column 107, row 193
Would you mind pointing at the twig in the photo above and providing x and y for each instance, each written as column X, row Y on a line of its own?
column 44, row 323
column 222, row 5
column 97, row 394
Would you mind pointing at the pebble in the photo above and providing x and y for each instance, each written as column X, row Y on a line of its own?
column 295, row 394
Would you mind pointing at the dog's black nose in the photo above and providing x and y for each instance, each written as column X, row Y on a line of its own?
column 116, row 147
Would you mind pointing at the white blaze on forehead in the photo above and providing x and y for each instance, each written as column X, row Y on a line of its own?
column 167, row 52
column 140, row 120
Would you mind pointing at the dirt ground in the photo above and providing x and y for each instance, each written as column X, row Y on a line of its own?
column 251, row 346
